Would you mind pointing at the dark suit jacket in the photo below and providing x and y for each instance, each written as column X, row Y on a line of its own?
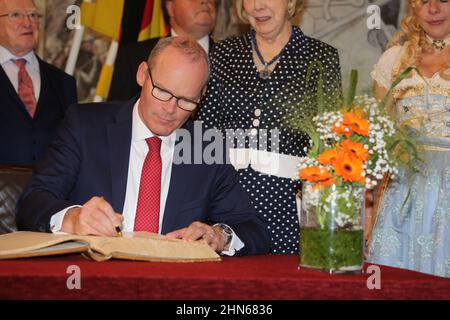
column 90, row 157
column 124, row 84
column 23, row 140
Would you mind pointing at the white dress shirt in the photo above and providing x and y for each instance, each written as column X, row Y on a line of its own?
column 12, row 70
column 138, row 153
column 203, row 42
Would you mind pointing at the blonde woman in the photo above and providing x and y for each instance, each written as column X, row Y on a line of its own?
column 251, row 76
column 413, row 232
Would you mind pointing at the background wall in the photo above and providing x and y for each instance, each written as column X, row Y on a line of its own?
column 341, row 23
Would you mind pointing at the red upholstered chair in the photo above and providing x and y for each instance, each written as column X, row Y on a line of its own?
column 12, row 183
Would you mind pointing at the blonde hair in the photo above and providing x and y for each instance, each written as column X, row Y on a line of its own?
column 294, row 7
column 413, row 35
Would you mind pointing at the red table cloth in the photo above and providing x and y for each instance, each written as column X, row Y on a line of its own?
column 265, row 277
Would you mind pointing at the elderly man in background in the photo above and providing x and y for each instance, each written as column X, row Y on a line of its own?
column 33, row 94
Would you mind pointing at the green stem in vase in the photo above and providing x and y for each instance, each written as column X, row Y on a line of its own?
column 352, row 90
column 332, row 236
column 331, row 250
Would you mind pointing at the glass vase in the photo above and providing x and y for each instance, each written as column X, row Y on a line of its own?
column 331, row 228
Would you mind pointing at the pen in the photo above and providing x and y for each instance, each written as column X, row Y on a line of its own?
column 118, row 230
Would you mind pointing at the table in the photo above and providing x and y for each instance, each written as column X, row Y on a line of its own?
column 264, row 277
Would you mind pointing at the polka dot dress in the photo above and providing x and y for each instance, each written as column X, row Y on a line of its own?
column 238, row 98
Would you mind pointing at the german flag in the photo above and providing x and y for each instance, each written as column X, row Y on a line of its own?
column 142, row 20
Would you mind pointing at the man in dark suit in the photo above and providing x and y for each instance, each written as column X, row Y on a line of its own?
column 33, row 94
column 123, row 157
column 193, row 18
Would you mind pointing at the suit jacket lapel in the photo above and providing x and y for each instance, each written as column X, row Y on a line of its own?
column 172, row 203
column 176, row 187
column 44, row 89
column 119, row 143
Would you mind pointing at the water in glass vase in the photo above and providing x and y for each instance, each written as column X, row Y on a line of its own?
column 331, row 228
column 334, row 252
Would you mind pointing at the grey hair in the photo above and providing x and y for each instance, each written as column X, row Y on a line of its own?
column 294, row 7
column 189, row 48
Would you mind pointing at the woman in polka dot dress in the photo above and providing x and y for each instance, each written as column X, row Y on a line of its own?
column 250, row 76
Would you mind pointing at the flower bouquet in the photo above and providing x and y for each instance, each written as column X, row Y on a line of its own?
column 354, row 145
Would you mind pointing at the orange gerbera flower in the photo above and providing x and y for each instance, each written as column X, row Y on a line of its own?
column 356, row 148
column 349, row 167
column 315, row 174
column 352, row 123
column 325, row 184
column 356, row 124
column 327, row 157
column 342, row 129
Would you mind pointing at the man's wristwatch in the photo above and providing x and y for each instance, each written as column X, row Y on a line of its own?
column 226, row 231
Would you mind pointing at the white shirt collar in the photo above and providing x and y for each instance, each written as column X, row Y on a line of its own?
column 140, row 131
column 203, row 42
column 7, row 56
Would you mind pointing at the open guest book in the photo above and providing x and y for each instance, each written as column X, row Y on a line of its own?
column 140, row 246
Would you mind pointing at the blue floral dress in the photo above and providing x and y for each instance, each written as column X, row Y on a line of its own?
column 415, row 234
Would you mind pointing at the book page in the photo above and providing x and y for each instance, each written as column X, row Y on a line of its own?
column 57, row 249
column 133, row 246
column 23, row 241
column 151, row 247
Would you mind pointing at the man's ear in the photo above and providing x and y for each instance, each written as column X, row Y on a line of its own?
column 142, row 74
column 169, row 8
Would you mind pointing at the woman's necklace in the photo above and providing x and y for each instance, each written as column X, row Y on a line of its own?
column 437, row 44
column 265, row 72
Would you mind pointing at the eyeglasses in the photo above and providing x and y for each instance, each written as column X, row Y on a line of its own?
column 19, row 16
column 164, row 95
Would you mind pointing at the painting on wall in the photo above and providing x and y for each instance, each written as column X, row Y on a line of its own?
column 343, row 24
column 56, row 41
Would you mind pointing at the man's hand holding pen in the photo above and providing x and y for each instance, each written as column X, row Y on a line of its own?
column 95, row 217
